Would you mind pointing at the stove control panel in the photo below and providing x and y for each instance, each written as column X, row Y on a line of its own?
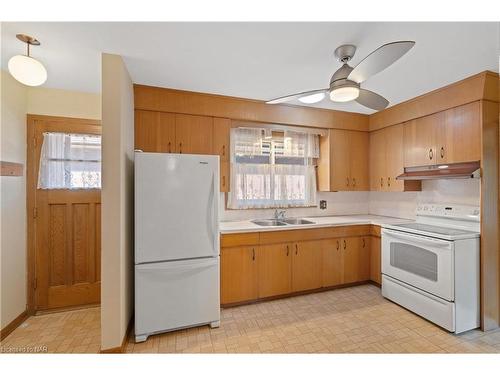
column 458, row 212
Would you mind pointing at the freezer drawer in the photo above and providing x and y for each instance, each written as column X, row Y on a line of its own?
column 433, row 308
column 172, row 295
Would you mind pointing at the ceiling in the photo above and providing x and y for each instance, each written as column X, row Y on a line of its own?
column 257, row 60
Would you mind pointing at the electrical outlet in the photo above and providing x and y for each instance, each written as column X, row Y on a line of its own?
column 322, row 205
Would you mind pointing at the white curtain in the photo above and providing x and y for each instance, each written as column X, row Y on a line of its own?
column 272, row 173
column 70, row 161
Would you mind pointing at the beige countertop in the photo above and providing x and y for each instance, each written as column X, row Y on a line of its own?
column 226, row 227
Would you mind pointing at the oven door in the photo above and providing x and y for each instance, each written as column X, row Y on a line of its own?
column 423, row 262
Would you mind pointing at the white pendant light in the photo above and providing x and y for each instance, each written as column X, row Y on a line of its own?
column 344, row 94
column 25, row 68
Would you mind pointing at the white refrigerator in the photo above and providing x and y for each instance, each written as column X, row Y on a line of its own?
column 176, row 242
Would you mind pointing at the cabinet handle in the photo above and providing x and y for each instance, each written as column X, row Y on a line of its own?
column 253, row 254
column 345, row 245
column 388, row 181
column 223, row 150
column 296, row 249
column 180, row 148
column 353, row 182
column 381, row 181
column 169, row 147
column 363, row 243
column 431, row 154
column 287, row 250
column 442, row 152
column 347, row 179
column 338, row 244
column 223, row 180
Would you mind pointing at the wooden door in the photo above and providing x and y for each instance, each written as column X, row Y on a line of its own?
column 64, row 230
column 394, row 157
column 275, row 267
column 459, row 138
column 193, row 134
column 306, row 265
column 239, row 274
column 420, row 140
column 154, row 131
column 356, row 259
column 358, row 153
column 375, row 260
column 333, row 262
column 377, row 160
column 339, row 160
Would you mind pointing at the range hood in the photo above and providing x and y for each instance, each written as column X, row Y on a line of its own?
column 441, row 171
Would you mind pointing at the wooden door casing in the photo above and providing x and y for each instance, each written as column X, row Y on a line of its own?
column 64, row 238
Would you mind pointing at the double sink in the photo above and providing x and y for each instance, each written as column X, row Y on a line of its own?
column 281, row 222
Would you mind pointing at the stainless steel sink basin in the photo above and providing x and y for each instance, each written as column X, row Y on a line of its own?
column 269, row 222
column 297, row 221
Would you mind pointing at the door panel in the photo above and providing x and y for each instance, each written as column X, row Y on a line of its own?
column 459, row 139
column 358, row 152
column 65, row 230
column 239, row 274
column 306, row 265
column 275, row 267
column 154, row 131
column 394, row 157
column 339, row 160
column 193, row 134
column 420, row 140
column 221, row 138
column 333, row 262
column 356, row 259
column 377, row 160
column 375, row 260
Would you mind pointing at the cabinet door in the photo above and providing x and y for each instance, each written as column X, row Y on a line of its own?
column 154, row 131
column 275, row 266
column 224, row 176
column 358, row 151
column 221, row 138
column 375, row 260
column 306, row 265
column 394, row 157
column 166, row 133
column 238, row 274
column 420, row 140
column 459, row 139
column 333, row 262
column 193, row 134
column 377, row 161
column 339, row 160
column 356, row 259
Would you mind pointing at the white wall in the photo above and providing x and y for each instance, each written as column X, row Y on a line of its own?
column 13, row 100
column 403, row 205
column 117, row 201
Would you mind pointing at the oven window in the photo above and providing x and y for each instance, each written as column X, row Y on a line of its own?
column 414, row 259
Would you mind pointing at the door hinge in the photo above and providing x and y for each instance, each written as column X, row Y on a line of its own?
column 35, row 212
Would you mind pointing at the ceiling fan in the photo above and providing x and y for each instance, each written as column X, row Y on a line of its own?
column 346, row 81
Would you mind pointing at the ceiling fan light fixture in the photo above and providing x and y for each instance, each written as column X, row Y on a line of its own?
column 26, row 69
column 344, row 94
column 314, row 98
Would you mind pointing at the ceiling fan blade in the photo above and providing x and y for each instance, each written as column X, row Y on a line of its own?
column 371, row 100
column 379, row 59
column 288, row 98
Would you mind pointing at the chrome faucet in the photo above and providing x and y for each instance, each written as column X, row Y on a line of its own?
column 279, row 215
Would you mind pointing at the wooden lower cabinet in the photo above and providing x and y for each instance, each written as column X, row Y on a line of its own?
column 306, row 265
column 239, row 277
column 333, row 262
column 275, row 269
column 356, row 254
column 375, row 260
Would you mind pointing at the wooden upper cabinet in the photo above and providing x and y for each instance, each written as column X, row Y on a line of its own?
column 348, row 160
column 166, row 133
column 394, row 158
column 420, row 140
column 306, row 265
column 239, row 279
column 193, row 134
column 275, row 269
column 153, row 131
column 377, row 160
column 222, row 127
column 459, row 138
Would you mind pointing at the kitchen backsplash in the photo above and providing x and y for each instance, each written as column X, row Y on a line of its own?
column 403, row 205
column 377, row 203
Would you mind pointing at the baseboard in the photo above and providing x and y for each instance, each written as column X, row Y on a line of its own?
column 13, row 325
column 65, row 309
column 121, row 349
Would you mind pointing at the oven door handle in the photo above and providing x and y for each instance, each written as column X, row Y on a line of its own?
column 418, row 239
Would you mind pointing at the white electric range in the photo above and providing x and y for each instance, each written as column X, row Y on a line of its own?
column 431, row 266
